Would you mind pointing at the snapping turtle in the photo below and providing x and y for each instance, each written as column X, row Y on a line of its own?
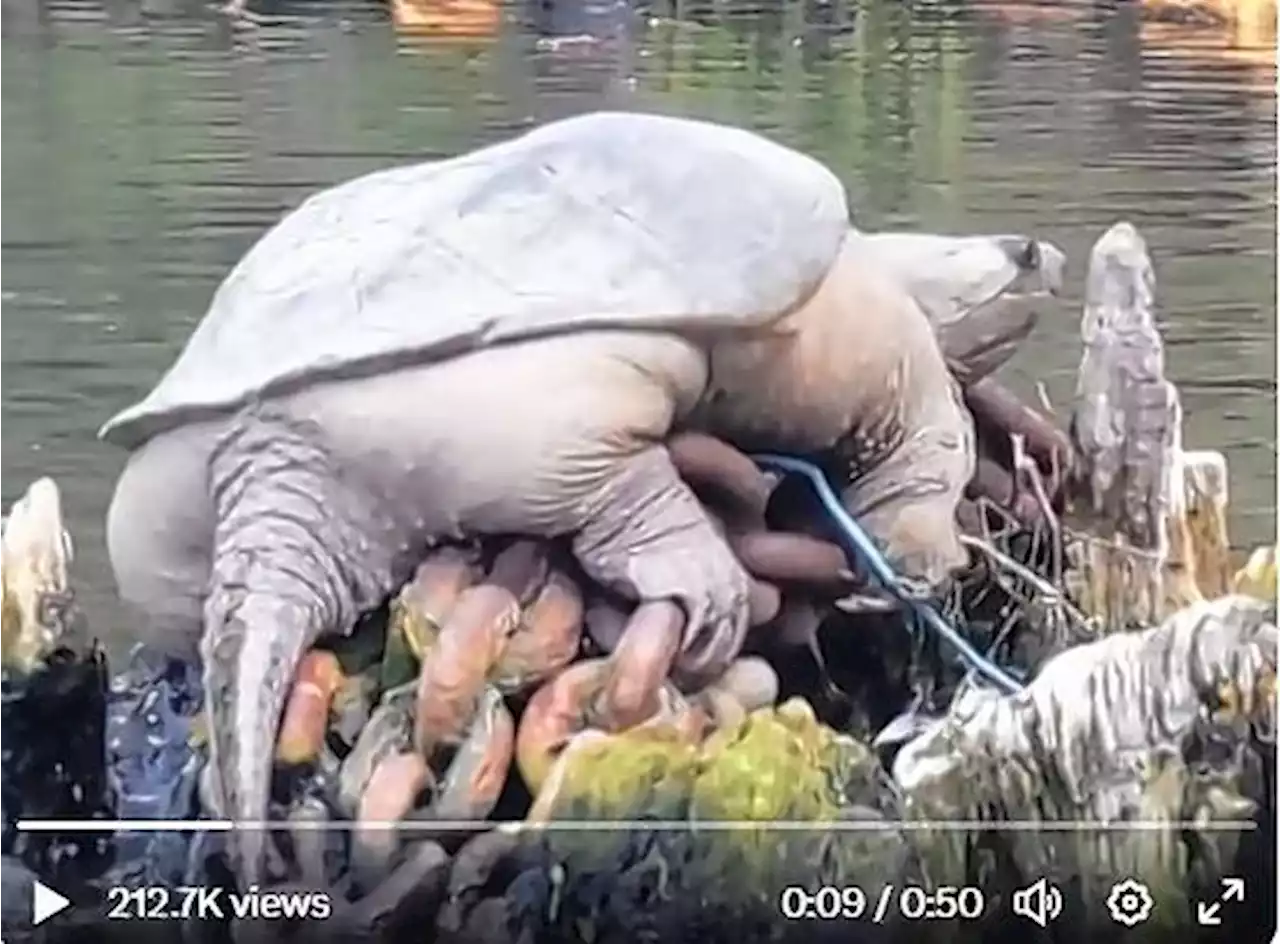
column 500, row 343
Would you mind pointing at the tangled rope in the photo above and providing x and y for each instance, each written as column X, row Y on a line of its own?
column 861, row 548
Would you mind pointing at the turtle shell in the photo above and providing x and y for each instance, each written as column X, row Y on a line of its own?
column 604, row 220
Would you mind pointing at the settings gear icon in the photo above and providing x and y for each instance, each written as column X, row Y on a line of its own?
column 1130, row 902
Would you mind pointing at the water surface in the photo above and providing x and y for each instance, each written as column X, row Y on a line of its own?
column 147, row 145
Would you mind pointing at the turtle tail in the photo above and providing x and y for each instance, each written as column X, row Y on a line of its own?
column 294, row 558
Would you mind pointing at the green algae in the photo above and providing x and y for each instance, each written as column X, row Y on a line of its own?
column 747, row 811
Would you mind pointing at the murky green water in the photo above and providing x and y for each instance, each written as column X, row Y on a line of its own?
column 147, row 145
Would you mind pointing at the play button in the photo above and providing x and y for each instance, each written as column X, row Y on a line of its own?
column 45, row 903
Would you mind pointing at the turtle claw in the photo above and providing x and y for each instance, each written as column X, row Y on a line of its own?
column 37, row 598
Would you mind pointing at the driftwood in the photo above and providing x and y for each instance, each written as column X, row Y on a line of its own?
column 45, row 684
column 1108, row 732
column 1155, row 513
column 33, row 571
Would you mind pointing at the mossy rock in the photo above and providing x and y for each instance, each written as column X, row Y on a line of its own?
column 779, row 768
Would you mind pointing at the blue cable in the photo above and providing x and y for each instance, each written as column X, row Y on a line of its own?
column 863, row 548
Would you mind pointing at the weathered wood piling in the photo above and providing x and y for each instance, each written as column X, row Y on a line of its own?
column 1152, row 515
column 47, row 689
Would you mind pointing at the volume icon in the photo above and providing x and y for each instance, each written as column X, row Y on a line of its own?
column 1039, row 902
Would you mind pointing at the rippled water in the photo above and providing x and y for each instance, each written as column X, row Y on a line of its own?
column 147, row 145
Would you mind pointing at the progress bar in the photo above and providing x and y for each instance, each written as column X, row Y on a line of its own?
column 593, row 826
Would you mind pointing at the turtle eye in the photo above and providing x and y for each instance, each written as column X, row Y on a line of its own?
column 1022, row 252
column 1029, row 258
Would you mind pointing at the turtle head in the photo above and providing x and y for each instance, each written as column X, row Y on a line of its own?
column 983, row 295
column 1003, row 310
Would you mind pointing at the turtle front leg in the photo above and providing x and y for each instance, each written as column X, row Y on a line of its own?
column 295, row 556
column 908, row 501
column 645, row 535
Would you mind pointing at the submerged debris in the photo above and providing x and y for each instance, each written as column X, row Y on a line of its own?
column 52, row 768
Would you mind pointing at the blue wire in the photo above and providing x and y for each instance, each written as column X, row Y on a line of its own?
column 865, row 550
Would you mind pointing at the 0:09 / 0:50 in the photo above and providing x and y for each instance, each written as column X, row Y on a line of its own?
column 909, row 902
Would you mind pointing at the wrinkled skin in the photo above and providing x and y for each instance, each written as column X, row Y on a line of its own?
column 857, row 377
column 304, row 511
